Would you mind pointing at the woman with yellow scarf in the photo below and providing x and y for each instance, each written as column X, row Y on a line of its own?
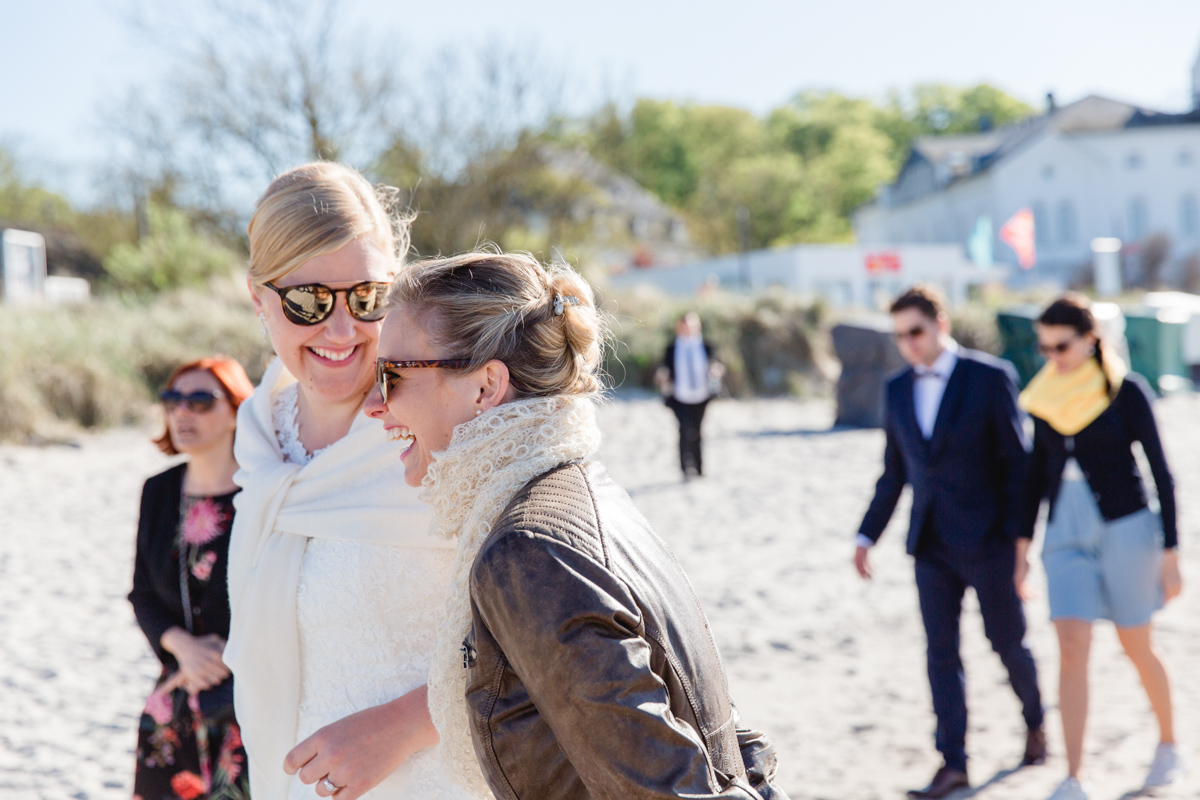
column 1107, row 555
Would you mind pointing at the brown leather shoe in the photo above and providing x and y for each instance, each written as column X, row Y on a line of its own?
column 1035, row 747
column 945, row 781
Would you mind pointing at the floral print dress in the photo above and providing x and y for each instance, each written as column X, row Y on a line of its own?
column 184, row 753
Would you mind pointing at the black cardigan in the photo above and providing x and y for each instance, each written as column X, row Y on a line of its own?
column 1103, row 450
column 156, row 599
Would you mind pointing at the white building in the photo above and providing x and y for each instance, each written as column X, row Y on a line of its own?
column 841, row 274
column 1094, row 168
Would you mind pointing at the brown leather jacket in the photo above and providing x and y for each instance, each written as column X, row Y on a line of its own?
column 592, row 670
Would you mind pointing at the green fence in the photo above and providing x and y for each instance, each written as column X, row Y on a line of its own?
column 1155, row 345
column 1020, row 345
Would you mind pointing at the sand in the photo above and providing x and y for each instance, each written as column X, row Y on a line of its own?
column 831, row 667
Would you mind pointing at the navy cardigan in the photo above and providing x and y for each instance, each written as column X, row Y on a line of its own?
column 1103, row 450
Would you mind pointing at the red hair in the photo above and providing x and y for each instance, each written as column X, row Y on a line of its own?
column 227, row 371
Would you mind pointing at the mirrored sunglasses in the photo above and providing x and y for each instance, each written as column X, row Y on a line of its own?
column 196, row 401
column 312, row 303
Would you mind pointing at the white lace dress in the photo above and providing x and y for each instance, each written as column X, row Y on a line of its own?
column 368, row 616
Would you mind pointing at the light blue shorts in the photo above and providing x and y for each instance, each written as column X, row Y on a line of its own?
column 1102, row 570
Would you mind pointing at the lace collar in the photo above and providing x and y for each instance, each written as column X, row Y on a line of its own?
column 285, row 412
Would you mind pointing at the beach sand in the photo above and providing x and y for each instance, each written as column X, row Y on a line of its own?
column 831, row 667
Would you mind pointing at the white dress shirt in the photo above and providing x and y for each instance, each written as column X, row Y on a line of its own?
column 929, row 384
column 691, row 370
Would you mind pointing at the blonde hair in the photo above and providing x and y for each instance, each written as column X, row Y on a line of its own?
column 491, row 305
column 319, row 208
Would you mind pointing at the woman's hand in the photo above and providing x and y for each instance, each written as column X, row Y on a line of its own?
column 357, row 752
column 199, row 657
column 1171, row 580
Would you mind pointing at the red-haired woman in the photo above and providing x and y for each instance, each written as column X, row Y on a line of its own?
column 189, row 745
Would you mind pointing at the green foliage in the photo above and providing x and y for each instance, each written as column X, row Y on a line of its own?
column 495, row 197
column 932, row 109
column 800, row 171
column 76, row 240
column 173, row 256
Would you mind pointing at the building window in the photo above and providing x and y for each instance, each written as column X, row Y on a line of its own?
column 1139, row 218
column 1066, row 222
column 1133, row 161
column 1189, row 215
column 1041, row 224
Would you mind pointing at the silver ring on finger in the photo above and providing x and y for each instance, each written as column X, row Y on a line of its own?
column 328, row 784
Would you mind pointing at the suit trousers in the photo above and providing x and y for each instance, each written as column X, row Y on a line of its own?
column 942, row 579
column 690, row 416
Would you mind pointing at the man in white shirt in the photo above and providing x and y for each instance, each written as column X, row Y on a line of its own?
column 684, row 377
column 954, row 434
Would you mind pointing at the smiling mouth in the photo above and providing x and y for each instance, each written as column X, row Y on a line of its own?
column 402, row 434
column 335, row 356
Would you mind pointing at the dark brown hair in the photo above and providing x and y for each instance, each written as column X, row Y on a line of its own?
column 227, row 371
column 927, row 299
column 1074, row 311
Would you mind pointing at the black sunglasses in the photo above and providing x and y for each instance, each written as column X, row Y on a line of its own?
column 386, row 375
column 196, row 401
column 1057, row 349
column 911, row 334
column 312, row 303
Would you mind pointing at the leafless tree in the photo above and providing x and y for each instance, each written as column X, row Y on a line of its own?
column 253, row 88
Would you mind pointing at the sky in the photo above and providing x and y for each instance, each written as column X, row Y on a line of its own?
column 63, row 61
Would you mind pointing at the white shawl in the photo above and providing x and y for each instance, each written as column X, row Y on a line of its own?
column 352, row 491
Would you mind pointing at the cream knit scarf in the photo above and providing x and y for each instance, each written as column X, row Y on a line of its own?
column 490, row 458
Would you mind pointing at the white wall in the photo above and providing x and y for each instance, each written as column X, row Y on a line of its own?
column 836, row 273
column 1097, row 175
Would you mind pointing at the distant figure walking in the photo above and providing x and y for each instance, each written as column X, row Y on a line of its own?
column 189, row 744
column 685, row 379
column 1107, row 555
column 954, row 434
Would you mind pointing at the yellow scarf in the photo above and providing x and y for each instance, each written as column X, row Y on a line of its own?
column 1070, row 402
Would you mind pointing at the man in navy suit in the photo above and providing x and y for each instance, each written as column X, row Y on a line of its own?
column 955, row 435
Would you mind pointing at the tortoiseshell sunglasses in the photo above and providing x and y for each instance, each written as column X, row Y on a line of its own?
column 385, row 371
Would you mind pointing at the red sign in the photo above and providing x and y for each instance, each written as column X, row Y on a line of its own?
column 1019, row 234
column 883, row 262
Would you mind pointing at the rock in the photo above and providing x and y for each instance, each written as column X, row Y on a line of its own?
column 868, row 354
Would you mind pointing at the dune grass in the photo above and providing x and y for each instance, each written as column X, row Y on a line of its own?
column 102, row 364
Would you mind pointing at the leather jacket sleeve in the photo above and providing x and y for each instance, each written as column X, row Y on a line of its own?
column 758, row 754
column 573, row 632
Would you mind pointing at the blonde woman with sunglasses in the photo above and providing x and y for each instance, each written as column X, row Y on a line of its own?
column 335, row 583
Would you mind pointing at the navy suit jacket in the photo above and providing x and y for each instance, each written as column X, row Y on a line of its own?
column 968, row 479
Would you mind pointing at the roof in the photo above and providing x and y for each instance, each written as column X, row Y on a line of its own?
column 955, row 157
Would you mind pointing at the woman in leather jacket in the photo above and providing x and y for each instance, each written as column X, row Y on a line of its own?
column 574, row 660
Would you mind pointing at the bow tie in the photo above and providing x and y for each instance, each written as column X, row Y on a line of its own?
column 928, row 373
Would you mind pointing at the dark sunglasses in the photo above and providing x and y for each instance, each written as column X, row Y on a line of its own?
column 312, row 303
column 1057, row 349
column 386, row 375
column 914, row 333
column 196, row 401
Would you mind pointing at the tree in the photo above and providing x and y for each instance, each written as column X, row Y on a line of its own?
column 173, row 255
column 256, row 87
